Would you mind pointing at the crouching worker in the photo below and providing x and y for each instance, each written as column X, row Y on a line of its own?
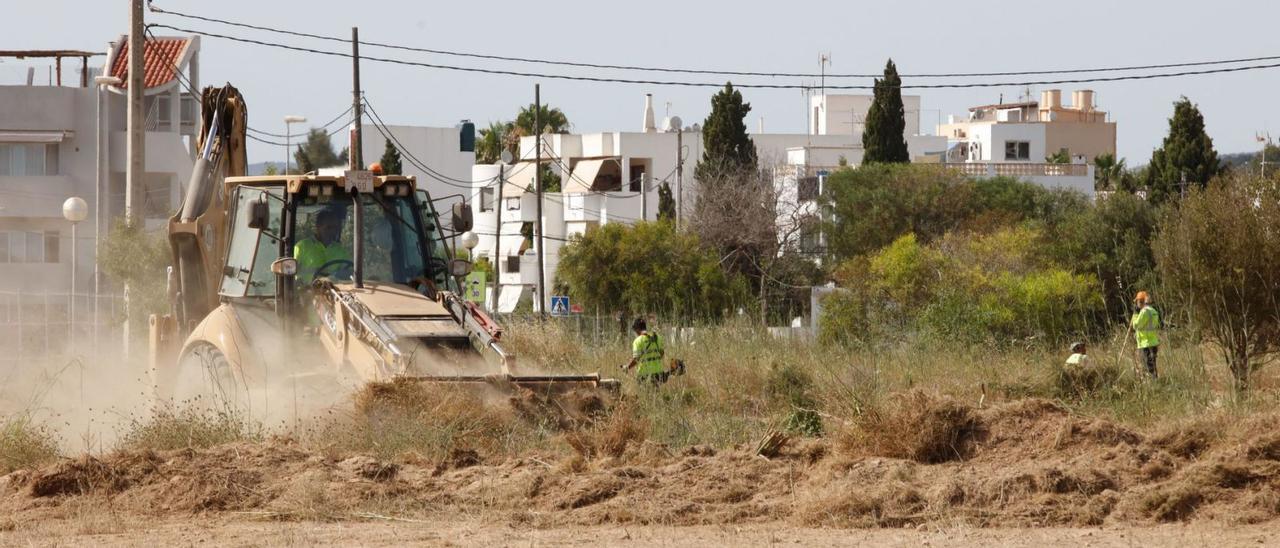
column 646, row 355
column 1079, row 356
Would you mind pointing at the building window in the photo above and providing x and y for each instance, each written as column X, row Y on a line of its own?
column 1017, row 150
column 486, row 199
column 188, row 109
column 513, row 204
column 27, row 159
column 807, row 189
column 162, row 106
column 577, row 202
column 513, row 264
column 29, row 247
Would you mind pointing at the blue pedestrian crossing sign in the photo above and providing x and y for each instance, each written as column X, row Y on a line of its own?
column 559, row 305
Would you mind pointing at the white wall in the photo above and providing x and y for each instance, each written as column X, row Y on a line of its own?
column 1001, row 133
column 436, row 147
column 846, row 114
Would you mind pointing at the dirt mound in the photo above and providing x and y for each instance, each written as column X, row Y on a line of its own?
column 1025, row 463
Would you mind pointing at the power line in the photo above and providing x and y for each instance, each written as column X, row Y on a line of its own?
column 296, row 135
column 407, row 154
column 718, row 72
column 598, row 79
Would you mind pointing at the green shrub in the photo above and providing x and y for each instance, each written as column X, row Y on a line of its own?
column 24, row 444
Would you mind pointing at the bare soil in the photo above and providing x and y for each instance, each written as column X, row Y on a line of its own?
column 925, row 470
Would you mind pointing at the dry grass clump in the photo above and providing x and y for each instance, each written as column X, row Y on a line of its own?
column 188, row 428
column 916, row 426
column 611, row 435
column 24, row 444
column 429, row 420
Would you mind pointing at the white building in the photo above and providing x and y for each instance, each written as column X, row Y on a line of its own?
column 60, row 141
column 436, row 148
column 602, row 175
column 1017, row 139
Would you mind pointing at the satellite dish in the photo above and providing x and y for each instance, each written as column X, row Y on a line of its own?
column 671, row 124
column 505, row 156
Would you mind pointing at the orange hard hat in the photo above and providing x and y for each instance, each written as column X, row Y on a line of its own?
column 1141, row 297
column 376, row 168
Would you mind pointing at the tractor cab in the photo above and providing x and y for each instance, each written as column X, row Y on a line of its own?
column 288, row 232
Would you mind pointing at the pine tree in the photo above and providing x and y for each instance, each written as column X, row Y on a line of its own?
column 726, row 148
column 666, row 203
column 317, row 152
column 883, row 140
column 1185, row 159
column 391, row 160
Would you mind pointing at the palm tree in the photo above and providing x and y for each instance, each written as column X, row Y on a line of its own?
column 553, row 121
column 1108, row 172
column 493, row 140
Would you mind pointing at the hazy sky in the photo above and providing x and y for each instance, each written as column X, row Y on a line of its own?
column 969, row 36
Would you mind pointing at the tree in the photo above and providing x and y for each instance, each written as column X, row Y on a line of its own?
column 666, row 203
column 270, row 169
column 883, row 140
column 552, row 119
column 1108, row 172
column 493, row 140
column 1218, row 254
column 317, row 152
column 1186, row 159
column 726, row 148
column 867, row 208
column 391, row 160
column 1059, row 157
column 648, row 267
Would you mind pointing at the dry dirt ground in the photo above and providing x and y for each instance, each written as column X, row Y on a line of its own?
column 1025, row 473
column 249, row 532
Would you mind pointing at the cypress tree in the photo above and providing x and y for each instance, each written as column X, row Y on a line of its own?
column 391, row 160
column 726, row 148
column 666, row 203
column 883, row 140
column 1187, row 152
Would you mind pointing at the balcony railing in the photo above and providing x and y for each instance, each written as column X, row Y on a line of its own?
column 1021, row 169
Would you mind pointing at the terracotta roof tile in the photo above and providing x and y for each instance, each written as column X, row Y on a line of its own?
column 159, row 58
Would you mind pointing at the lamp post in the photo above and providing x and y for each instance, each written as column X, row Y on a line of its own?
column 288, row 131
column 75, row 210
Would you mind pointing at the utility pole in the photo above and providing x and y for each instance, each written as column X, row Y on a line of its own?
column 498, row 256
column 135, row 172
column 537, row 181
column 357, row 149
column 679, row 176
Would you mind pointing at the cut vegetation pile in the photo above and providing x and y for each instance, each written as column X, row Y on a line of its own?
column 914, row 459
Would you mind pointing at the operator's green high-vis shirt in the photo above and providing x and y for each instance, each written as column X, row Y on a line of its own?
column 311, row 254
column 647, row 349
column 1146, row 327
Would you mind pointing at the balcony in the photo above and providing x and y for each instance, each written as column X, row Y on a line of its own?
column 1021, row 169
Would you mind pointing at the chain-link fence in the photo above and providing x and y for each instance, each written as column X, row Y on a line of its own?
column 42, row 324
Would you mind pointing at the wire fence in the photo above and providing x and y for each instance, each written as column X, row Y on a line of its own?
column 38, row 325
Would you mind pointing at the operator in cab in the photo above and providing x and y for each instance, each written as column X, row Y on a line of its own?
column 323, row 254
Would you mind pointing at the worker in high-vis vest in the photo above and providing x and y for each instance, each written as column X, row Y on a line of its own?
column 325, row 248
column 1146, row 329
column 1079, row 356
column 646, row 355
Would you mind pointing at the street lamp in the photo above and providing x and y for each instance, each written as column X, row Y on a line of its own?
column 74, row 210
column 289, row 120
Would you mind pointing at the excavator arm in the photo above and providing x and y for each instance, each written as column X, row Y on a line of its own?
column 198, row 231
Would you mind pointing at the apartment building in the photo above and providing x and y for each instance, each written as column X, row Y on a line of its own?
column 64, row 138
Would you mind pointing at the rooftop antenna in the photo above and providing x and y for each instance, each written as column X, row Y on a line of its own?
column 824, row 59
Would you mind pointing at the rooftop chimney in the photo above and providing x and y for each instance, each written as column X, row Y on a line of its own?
column 649, row 126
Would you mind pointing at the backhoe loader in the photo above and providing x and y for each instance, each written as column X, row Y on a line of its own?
column 251, row 307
